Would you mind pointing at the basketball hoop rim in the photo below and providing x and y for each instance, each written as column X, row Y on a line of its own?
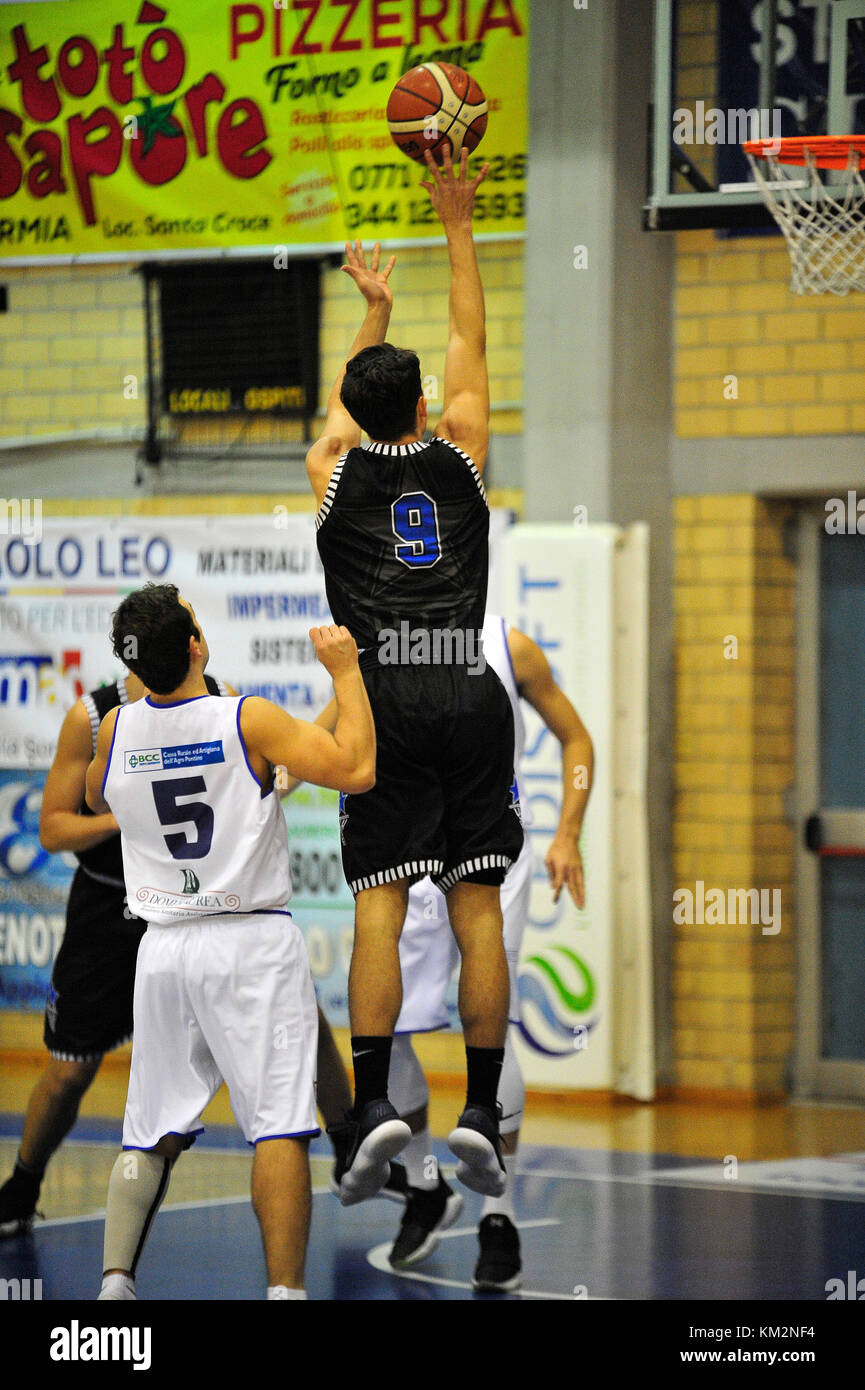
column 822, row 151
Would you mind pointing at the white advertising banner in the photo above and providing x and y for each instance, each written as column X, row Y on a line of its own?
column 255, row 583
column 257, row 587
column 561, row 586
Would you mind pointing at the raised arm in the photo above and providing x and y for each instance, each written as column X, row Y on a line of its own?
column 343, row 759
column 340, row 432
column 327, row 721
column 536, row 685
column 61, row 827
column 465, row 417
column 96, row 770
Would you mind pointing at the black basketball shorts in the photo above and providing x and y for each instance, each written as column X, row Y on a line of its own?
column 445, row 802
column 89, row 1007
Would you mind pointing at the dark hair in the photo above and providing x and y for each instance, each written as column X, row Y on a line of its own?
column 150, row 633
column 381, row 389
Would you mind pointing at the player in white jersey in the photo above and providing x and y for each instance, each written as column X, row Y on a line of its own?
column 428, row 958
column 223, row 989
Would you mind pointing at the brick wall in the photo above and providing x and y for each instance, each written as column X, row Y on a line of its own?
column 69, row 338
column 420, row 320
column 695, row 79
column 798, row 361
column 751, row 359
column 733, row 985
column 72, row 335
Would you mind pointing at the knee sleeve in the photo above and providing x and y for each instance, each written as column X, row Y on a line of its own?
column 138, row 1183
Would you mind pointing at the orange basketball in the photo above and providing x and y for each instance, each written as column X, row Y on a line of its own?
column 433, row 106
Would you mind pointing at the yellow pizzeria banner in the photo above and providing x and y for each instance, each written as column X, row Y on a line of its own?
column 142, row 130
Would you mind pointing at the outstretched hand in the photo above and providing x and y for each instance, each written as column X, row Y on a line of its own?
column 452, row 192
column 372, row 282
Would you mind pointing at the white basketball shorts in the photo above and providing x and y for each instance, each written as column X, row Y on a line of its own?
column 428, row 953
column 223, row 999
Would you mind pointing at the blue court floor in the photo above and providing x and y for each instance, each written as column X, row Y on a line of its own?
column 594, row 1225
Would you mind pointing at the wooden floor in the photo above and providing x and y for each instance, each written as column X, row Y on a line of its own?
column 629, row 1201
column 704, row 1129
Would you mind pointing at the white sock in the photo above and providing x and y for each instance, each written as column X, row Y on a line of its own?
column 278, row 1291
column 512, row 1089
column 421, row 1167
column 504, row 1205
column 118, row 1287
column 406, row 1083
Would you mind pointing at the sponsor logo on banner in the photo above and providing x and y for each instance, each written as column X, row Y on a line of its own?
column 212, row 130
column 193, row 754
column 33, row 887
column 180, row 755
column 143, row 760
column 186, row 903
column 556, row 991
column 20, row 851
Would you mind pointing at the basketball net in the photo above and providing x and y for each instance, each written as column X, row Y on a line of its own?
column 824, row 224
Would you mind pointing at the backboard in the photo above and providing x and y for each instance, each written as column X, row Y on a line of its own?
column 726, row 71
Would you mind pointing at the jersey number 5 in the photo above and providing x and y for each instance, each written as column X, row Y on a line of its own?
column 197, row 813
column 415, row 523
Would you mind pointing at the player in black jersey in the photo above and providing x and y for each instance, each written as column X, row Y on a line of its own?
column 403, row 535
column 89, row 1008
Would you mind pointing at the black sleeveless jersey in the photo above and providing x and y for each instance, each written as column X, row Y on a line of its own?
column 403, row 535
column 104, row 862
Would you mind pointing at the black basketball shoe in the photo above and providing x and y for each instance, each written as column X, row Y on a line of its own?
column 499, row 1266
column 475, row 1141
column 376, row 1136
column 427, row 1213
column 341, row 1136
column 18, row 1198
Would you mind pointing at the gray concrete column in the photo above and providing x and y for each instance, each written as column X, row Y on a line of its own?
column 598, row 339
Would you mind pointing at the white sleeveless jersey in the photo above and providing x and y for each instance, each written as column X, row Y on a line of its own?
column 495, row 640
column 198, row 837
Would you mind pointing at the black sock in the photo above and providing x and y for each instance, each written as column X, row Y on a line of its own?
column 371, row 1058
column 483, row 1069
column 31, row 1176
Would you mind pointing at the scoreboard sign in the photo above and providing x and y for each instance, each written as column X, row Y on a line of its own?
column 237, row 339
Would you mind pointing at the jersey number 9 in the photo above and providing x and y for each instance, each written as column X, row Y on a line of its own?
column 415, row 523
